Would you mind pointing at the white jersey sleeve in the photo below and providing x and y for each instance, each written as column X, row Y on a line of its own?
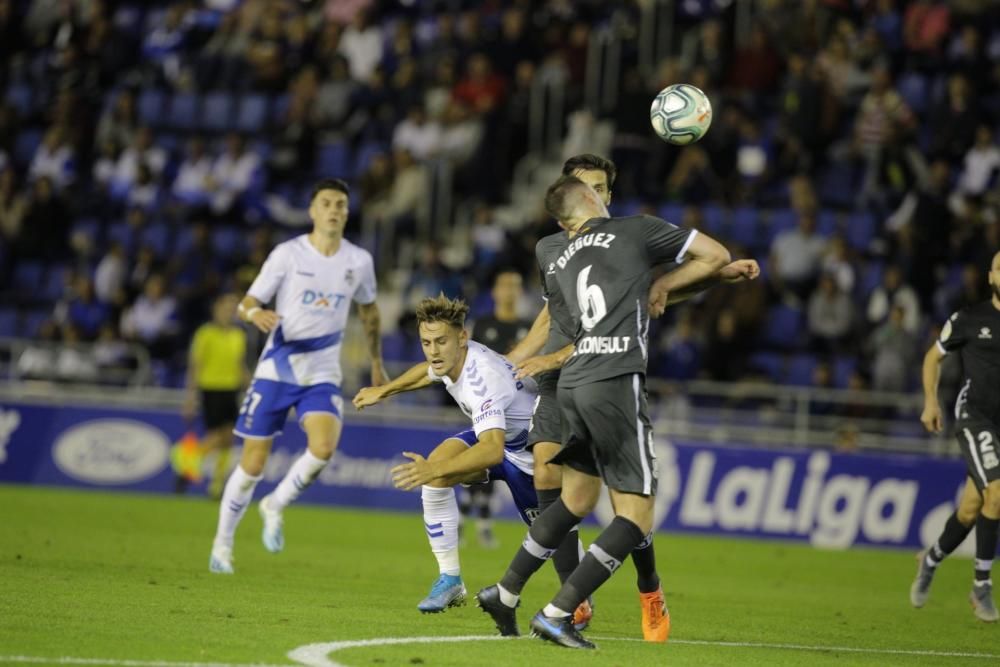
column 267, row 282
column 365, row 293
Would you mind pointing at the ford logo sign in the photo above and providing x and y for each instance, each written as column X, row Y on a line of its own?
column 111, row 451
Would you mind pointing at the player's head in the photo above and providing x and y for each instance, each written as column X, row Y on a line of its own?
column 224, row 309
column 508, row 287
column 328, row 206
column 995, row 276
column 595, row 171
column 572, row 202
column 441, row 323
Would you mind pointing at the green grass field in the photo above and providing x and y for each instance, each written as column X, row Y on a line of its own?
column 101, row 578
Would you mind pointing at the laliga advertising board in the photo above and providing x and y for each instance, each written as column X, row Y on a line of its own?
column 829, row 500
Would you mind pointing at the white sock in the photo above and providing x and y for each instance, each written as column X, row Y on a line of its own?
column 441, row 523
column 235, row 499
column 302, row 473
column 553, row 611
column 508, row 598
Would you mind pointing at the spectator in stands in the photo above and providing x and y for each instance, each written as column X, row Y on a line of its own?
column 38, row 360
column 142, row 151
column 971, row 289
column 110, row 276
column 706, row 47
column 982, row 164
column 336, row 99
column 81, row 310
column 756, row 66
column 13, row 207
column 45, row 227
column 417, row 135
column 232, row 175
column 431, row 277
column 118, row 125
column 726, row 349
column 269, row 50
column 103, row 172
column 692, row 178
column 293, row 142
column 681, row 356
column 191, row 183
column 74, row 362
column 144, row 266
column 481, row 89
column 953, row 119
column 361, row 43
column 161, row 48
column 925, row 27
column 796, row 255
column 152, row 320
column 460, row 136
column 840, row 70
column 837, row 263
column 893, row 351
column 830, row 317
column 55, row 159
column 221, row 61
column 513, row 45
column 894, row 293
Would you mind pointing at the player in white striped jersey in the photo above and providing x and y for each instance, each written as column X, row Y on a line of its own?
column 482, row 383
column 313, row 279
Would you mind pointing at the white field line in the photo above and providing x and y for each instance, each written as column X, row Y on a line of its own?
column 317, row 655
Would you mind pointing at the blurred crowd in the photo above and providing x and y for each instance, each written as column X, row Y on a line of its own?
column 152, row 153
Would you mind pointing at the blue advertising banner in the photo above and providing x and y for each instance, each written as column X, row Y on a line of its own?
column 829, row 500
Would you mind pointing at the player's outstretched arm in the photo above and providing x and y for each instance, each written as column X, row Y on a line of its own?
column 487, row 452
column 371, row 321
column 413, row 379
column 546, row 362
column 705, row 257
column 250, row 310
column 931, row 417
column 534, row 341
column 734, row 272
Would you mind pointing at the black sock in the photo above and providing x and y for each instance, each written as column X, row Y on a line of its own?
column 986, row 546
column 603, row 557
column 544, row 536
column 953, row 534
column 644, row 559
column 567, row 556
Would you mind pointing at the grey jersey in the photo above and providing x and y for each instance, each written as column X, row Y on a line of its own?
column 561, row 325
column 603, row 274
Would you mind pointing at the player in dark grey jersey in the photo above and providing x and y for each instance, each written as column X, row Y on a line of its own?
column 604, row 274
column 973, row 332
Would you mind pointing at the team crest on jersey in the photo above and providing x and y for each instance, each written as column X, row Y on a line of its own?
column 486, row 405
column 349, row 277
column 984, row 334
column 318, row 299
column 552, row 269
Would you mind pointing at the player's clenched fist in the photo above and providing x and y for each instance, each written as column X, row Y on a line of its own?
column 740, row 270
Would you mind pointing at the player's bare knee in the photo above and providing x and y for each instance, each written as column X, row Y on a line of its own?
column 967, row 513
column 322, row 448
column 991, row 500
column 547, row 476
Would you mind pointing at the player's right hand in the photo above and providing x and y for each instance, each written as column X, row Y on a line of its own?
column 931, row 418
column 740, row 270
column 366, row 396
column 265, row 320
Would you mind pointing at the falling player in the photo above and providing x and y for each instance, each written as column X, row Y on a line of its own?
column 974, row 332
column 315, row 277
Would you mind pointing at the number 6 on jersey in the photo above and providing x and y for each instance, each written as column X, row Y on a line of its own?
column 591, row 300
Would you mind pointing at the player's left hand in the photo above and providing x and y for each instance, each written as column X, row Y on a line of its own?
column 657, row 301
column 534, row 365
column 740, row 270
column 379, row 376
column 408, row 476
column 366, row 396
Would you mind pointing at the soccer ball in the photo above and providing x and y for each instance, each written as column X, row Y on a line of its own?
column 681, row 114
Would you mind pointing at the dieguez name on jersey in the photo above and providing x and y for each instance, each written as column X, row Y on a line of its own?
column 602, row 345
column 598, row 240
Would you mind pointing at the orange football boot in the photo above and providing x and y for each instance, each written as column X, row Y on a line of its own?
column 655, row 616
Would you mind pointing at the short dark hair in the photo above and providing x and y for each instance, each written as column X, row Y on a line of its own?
column 330, row 184
column 588, row 161
column 559, row 199
column 442, row 309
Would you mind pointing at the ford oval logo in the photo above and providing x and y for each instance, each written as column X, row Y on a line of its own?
column 111, row 451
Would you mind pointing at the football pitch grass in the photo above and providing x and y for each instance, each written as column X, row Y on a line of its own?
column 122, row 579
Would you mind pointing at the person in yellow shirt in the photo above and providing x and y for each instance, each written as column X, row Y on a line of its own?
column 217, row 373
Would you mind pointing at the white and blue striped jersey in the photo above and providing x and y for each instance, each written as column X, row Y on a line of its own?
column 490, row 396
column 313, row 295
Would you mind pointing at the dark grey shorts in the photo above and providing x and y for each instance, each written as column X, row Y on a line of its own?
column 607, row 433
column 977, row 438
column 546, row 422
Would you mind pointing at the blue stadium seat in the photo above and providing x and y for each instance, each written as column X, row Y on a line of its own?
column 19, row 96
column 871, row 277
column 28, row 275
column 744, row 228
column 88, row 227
column 25, row 145
column 279, row 108
column 395, row 346
column 800, row 370
column 913, row 88
column 826, row 222
column 780, row 220
column 836, row 186
column 32, row 322
column 229, row 241
column 8, row 322
column 861, row 230
column 770, row 364
column 157, row 236
column 251, row 113
column 671, row 212
column 365, row 153
column 151, row 106
column 715, row 217
column 843, row 368
column 121, row 232
column 183, row 113
column 217, row 111
column 333, row 160
column 783, row 327
column 53, row 283
column 627, row 207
